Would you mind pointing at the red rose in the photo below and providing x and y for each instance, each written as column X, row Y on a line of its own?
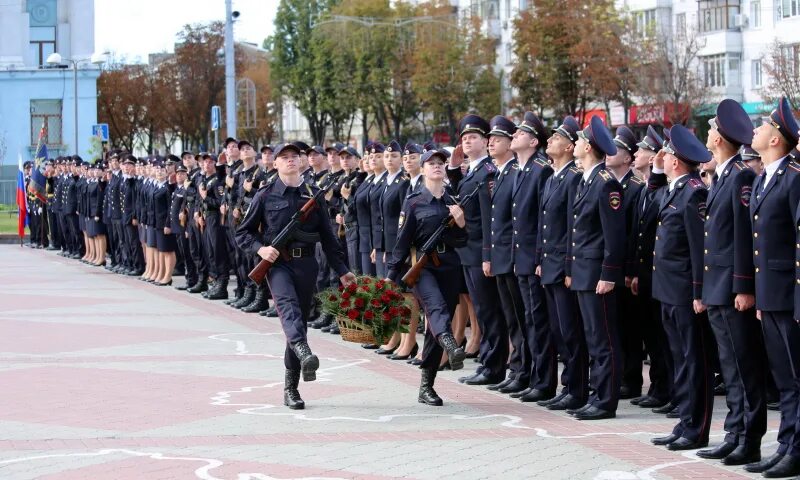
column 367, row 280
column 345, row 304
column 365, row 289
column 341, row 288
column 332, row 298
column 386, row 317
column 359, row 303
column 346, row 295
column 352, row 287
column 391, row 293
column 368, row 315
column 379, row 285
column 375, row 302
column 406, row 311
column 352, row 314
column 394, row 311
column 386, row 298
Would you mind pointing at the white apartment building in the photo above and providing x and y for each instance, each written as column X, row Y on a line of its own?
column 33, row 93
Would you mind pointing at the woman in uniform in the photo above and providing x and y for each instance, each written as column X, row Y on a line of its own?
column 422, row 214
column 166, row 243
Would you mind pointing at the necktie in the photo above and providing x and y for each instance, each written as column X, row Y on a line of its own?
column 580, row 187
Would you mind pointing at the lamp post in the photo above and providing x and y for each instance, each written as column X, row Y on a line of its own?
column 55, row 60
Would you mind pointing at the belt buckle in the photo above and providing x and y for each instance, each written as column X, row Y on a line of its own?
column 441, row 248
column 297, row 252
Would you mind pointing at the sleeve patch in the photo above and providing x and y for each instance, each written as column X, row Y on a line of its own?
column 701, row 209
column 614, row 200
column 401, row 220
column 744, row 197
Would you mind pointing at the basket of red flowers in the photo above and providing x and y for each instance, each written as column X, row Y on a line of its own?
column 370, row 310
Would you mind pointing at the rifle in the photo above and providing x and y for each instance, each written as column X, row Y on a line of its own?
column 429, row 248
column 287, row 233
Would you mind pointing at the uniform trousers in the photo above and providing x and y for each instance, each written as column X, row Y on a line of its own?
column 183, row 249
column 216, row 244
column 380, row 264
column 630, row 333
column 494, row 334
column 75, row 243
column 293, row 294
column 538, row 335
column 565, row 318
column 45, row 227
column 662, row 368
column 690, row 341
column 55, row 232
column 438, row 296
column 513, row 307
column 66, row 239
column 742, row 357
column 197, row 251
column 135, row 256
column 236, row 257
column 599, row 313
column 34, row 225
column 354, row 259
column 782, row 341
column 367, row 267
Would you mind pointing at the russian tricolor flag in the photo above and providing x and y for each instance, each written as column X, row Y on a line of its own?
column 22, row 202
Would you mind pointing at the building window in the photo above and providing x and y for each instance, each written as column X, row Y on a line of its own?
column 790, row 55
column 714, row 70
column 680, row 25
column 755, row 13
column 717, row 14
column 789, row 8
column 47, row 113
column 756, row 72
column 523, row 5
column 645, row 22
column 42, row 23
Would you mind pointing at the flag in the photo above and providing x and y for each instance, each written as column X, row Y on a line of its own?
column 22, row 202
column 38, row 180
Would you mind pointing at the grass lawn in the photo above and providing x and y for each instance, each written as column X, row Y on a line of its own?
column 8, row 219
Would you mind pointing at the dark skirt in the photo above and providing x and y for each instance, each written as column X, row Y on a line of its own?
column 95, row 228
column 150, row 236
column 142, row 233
column 463, row 288
column 165, row 243
column 82, row 223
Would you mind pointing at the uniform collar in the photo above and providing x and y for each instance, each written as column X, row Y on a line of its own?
column 587, row 174
column 721, row 168
column 673, row 183
column 390, row 178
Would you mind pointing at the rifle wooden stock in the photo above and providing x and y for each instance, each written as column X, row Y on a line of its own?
column 412, row 275
column 262, row 269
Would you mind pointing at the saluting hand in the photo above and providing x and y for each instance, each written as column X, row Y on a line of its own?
column 458, row 215
column 457, row 157
column 658, row 160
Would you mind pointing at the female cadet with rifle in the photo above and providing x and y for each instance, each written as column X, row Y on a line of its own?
column 422, row 217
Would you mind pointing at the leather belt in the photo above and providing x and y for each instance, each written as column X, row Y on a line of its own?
column 298, row 252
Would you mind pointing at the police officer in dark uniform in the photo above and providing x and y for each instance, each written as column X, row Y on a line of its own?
column 422, row 213
column 728, row 288
column 678, row 285
column 375, row 193
column 116, row 235
column 71, row 194
column 773, row 212
column 501, row 255
column 194, row 207
column 361, row 203
column 212, row 194
column 597, row 248
column 555, row 223
column 476, row 256
column 529, row 181
column 393, row 195
column 134, row 265
column 639, row 265
column 270, row 212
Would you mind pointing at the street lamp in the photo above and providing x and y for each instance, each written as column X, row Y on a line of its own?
column 55, row 60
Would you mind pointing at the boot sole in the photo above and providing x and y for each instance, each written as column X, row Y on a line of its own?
column 432, row 404
column 309, row 368
column 295, row 407
column 457, row 359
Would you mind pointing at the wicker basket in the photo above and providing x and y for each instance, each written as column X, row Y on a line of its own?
column 351, row 333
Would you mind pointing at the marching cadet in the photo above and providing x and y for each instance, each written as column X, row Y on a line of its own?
column 255, row 298
column 501, row 255
column 678, row 285
column 423, row 213
column 773, row 212
column 728, row 288
column 476, row 255
column 269, row 213
column 194, row 208
column 554, row 225
column 212, row 191
column 632, row 354
column 528, row 187
column 266, row 161
column 640, row 255
column 375, row 193
column 597, row 249
column 230, row 198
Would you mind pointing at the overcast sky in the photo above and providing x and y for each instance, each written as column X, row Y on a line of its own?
column 134, row 28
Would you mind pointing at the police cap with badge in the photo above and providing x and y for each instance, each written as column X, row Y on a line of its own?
column 532, row 125
column 686, row 147
column 473, row 124
column 626, row 140
column 568, row 129
column 500, row 126
column 783, row 120
column 598, row 137
column 732, row 123
column 652, row 141
column 394, row 146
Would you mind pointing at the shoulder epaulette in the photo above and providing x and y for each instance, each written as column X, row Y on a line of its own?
column 740, row 165
column 794, row 166
column 490, row 167
column 575, row 170
column 604, row 175
column 541, row 162
column 637, row 180
column 695, row 183
column 413, row 194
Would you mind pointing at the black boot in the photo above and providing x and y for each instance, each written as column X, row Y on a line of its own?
column 323, row 321
column 200, row 286
column 220, row 291
column 246, row 299
column 309, row 363
column 291, row 396
column 211, row 287
column 238, row 293
column 427, row 394
column 334, row 330
column 260, row 302
column 455, row 353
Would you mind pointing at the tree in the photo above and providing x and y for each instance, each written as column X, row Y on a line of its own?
column 258, row 70
column 782, row 66
column 119, row 94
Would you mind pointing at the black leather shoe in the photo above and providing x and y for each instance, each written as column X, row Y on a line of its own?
column 481, row 379
column 334, row 328
column 720, row 451
column 513, row 387
column 666, row 408
column 626, row 392
column 498, row 386
column 674, row 413
column 550, row 401
column 719, row 386
column 684, row 443
column 412, row 353
column 788, row 466
column 575, row 411
column 594, row 413
column 665, row 440
column 326, row 329
column 637, row 400
column 384, row 351
column 464, row 379
column 199, row 287
column 415, row 361
column 743, row 454
column 652, row 402
column 520, row 393
column 272, row 312
column 567, row 403
column 535, row 396
column 183, row 287
column 369, row 346
column 764, row 464
column 291, row 396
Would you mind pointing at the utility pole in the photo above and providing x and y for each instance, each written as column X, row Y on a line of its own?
column 230, row 72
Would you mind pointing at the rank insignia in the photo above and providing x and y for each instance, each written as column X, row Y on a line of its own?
column 614, row 200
